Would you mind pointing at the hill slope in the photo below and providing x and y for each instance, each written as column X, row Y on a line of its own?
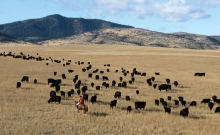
column 53, row 27
column 125, row 36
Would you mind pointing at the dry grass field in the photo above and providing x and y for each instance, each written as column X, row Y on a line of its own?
column 25, row 110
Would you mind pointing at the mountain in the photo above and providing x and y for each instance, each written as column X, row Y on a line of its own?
column 54, row 27
column 142, row 37
column 58, row 29
column 4, row 38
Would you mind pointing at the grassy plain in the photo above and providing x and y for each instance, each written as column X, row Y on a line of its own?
column 26, row 111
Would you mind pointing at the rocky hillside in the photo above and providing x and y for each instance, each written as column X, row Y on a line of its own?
column 142, row 37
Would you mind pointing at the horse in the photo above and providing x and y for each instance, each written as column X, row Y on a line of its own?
column 83, row 107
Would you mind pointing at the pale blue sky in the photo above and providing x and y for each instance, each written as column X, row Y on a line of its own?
column 191, row 16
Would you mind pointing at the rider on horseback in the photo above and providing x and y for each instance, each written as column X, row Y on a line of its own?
column 80, row 102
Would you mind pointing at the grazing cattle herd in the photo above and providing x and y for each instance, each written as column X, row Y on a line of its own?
column 81, row 88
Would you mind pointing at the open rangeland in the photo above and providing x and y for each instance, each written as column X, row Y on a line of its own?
column 26, row 110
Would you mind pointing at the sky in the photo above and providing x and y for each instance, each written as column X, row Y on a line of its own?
column 167, row 16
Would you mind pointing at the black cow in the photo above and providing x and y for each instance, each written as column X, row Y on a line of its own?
column 127, row 98
column 184, row 112
column 92, row 84
column 176, row 102
column 86, row 97
column 101, row 72
column 217, row 101
column 175, row 83
column 35, row 81
column 132, row 79
column 113, row 103
column 164, row 103
column 120, row 78
column 181, row 98
column 113, row 83
column 52, row 93
column 62, row 93
column 117, row 94
column 25, row 79
column 130, row 82
column 183, row 103
column 210, row 105
column 128, row 109
column 164, row 87
column 168, row 97
column 95, row 71
column 157, row 102
column 137, row 92
column 78, row 92
column 116, row 71
column 55, row 98
column 214, row 98
column 83, row 69
column 153, row 78
column 97, row 77
column 143, row 74
column 168, row 80
column 57, row 88
column 161, row 100
column 140, row 104
column 77, row 86
column 199, row 74
column 63, row 76
column 217, row 110
column 18, row 85
column 119, row 84
column 155, row 86
column 104, row 78
column 206, row 101
column 193, row 103
column 90, row 75
column 54, row 73
column 70, row 70
column 167, row 109
column 72, row 91
column 84, row 89
column 124, row 84
column 157, row 73
column 69, row 93
column 97, row 87
column 108, row 70
column 93, row 99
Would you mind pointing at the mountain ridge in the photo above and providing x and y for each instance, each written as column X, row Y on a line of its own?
column 64, row 30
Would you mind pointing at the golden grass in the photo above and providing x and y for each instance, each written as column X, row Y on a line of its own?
column 26, row 111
